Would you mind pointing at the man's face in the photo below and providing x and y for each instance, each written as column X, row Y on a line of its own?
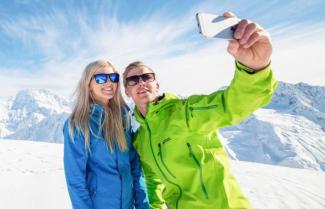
column 143, row 91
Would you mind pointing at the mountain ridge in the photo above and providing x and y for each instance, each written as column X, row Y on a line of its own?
column 289, row 131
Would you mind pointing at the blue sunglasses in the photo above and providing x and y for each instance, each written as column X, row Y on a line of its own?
column 103, row 78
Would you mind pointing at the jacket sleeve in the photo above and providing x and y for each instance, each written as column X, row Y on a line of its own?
column 155, row 188
column 246, row 93
column 75, row 160
column 140, row 192
column 154, row 185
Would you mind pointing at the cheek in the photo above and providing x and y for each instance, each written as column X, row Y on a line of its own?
column 115, row 88
column 153, row 88
column 131, row 92
column 92, row 86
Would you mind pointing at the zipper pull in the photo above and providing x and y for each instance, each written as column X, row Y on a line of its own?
column 191, row 110
column 159, row 149
column 189, row 149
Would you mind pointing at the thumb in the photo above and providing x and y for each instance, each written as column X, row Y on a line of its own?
column 233, row 47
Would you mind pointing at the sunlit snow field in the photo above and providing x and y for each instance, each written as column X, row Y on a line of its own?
column 32, row 177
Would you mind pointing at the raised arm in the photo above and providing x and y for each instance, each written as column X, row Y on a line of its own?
column 251, row 88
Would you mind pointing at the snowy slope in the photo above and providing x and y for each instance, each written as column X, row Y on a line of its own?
column 290, row 131
column 48, row 129
column 32, row 177
column 4, row 116
column 275, row 138
column 34, row 115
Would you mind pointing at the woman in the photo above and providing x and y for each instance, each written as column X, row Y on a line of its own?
column 101, row 167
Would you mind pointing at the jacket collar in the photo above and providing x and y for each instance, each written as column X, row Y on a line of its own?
column 165, row 100
column 96, row 113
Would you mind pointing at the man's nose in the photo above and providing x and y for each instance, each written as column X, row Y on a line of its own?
column 141, row 81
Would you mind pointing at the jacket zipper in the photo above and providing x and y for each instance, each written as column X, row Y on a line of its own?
column 154, row 157
column 198, row 165
column 202, row 108
column 163, row 162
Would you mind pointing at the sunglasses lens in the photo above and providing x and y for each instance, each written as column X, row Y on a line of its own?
column 114, row 77
column 101, row 78
column 134, row 80
column 148, row 77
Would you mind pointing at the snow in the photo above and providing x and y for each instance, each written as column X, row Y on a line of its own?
column 276, row 138
column 32, row 178
column 277, row 187
column 34, row 115
column 32, row 175
column 290, row 131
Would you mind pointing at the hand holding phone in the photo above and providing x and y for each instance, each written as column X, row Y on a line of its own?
column 252, row 45
column 216, row 26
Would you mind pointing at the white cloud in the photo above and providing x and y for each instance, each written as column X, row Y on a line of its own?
column 185, row 62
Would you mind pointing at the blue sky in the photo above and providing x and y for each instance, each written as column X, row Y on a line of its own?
column 46, row 44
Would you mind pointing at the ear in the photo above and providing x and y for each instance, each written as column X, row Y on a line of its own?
column 157, row 86
column 127, row 92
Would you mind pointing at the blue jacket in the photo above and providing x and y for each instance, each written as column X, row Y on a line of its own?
column 99, row 178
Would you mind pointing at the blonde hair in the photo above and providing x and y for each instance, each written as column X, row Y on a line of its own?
column 112, row 125
column 131, row 66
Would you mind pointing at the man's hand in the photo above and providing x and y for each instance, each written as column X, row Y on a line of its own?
column 252, row 44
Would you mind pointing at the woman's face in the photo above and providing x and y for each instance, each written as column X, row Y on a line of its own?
column 102, row 93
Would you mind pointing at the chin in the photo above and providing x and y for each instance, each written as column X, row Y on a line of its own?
column 142, row 100
column 107, row 99
column 108, row 96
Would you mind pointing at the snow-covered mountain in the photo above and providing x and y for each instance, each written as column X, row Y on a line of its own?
column 34, row 115
column 32, row 177
column 290, row 131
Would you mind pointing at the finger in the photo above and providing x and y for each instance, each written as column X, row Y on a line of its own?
column 241, row 27
column 233, row 47
column 256, row 36
column 249, row 30
column 229, row 14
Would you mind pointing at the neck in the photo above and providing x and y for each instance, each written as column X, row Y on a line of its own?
column 143, row 109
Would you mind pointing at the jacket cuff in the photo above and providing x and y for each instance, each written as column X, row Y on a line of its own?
column 248, row 70
column 245, row 78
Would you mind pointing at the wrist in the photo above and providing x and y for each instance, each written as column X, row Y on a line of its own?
column 251, row 70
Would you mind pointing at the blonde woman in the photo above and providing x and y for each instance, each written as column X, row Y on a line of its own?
column 101, row 168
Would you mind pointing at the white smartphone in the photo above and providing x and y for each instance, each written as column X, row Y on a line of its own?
column 216, row 26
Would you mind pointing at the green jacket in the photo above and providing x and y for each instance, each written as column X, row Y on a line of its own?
column 184, row 162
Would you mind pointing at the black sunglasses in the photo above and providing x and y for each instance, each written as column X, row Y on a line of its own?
column 103, row 78
column 135, row 79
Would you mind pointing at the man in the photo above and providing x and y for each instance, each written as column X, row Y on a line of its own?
column 185, row 164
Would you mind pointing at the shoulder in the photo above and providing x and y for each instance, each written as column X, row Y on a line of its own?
column 126, row 111
column 136, row 141
column 66, row 124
